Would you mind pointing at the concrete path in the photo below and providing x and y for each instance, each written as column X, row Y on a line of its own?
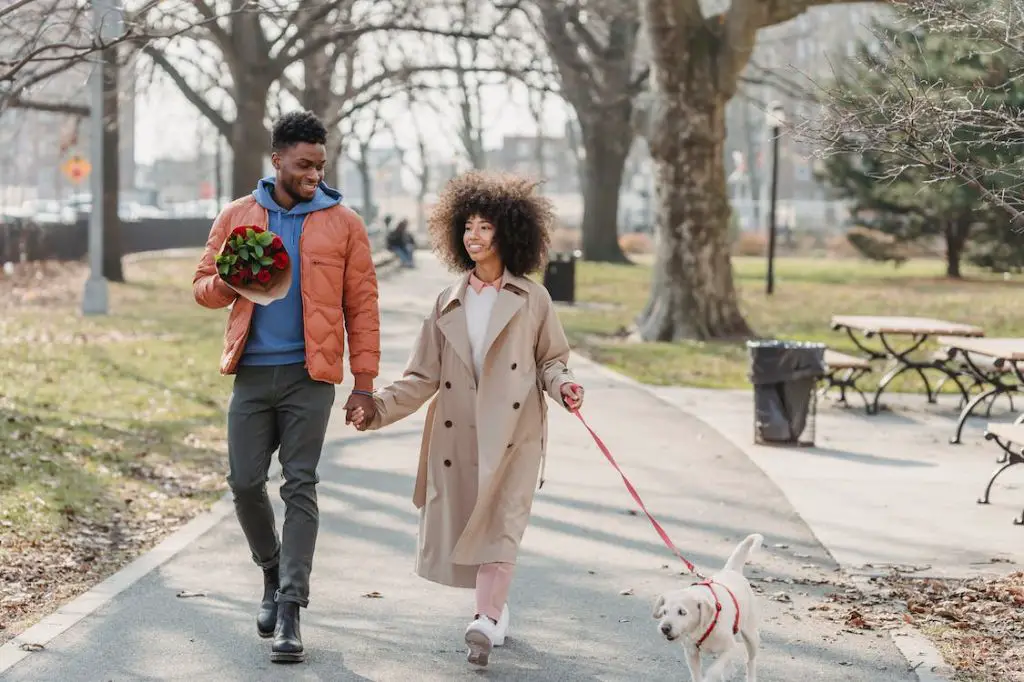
column 586, row 546
column 889, row 489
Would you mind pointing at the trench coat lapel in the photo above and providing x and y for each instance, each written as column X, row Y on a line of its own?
column 510, row 299
column 452, row 324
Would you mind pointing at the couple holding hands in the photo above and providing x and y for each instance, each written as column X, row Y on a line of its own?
column 489, row 350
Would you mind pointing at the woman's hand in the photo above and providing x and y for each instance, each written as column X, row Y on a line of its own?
column 357, row 418
column 572, row 396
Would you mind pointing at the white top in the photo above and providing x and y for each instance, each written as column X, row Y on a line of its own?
column 478, row 315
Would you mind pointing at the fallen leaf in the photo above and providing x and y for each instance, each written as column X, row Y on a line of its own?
column 627, row 592
column 31, row 646
column 185, row 594
column 373, row 595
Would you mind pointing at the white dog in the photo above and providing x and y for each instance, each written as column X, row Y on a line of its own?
column 708, row 616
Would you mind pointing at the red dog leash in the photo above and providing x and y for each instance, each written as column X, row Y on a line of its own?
column 706, row 582
column 632, row 491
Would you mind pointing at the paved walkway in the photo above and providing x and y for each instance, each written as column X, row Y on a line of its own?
column 585, row 547
column 887, row 490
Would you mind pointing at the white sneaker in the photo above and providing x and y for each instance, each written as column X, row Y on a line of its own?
column 502, row 628
column 480, row 637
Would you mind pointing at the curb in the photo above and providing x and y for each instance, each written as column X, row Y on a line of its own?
column 55, row 624
column 923, row 658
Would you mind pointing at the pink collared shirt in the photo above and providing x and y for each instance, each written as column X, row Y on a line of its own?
column 478, row 284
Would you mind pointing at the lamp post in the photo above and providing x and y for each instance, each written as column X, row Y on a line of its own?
column 774, row 118
column 106, row 21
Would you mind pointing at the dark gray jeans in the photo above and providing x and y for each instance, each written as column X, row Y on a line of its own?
column 274, row 407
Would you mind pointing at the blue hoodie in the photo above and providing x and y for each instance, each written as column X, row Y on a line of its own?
column 276, row 336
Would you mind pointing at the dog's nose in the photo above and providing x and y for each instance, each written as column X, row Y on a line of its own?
column 666, row 628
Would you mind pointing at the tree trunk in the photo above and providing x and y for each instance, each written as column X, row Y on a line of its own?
column 692, row 291
column 366, row 179
column 956, row 238
column 602, row 182
column 249, row 139
column 112, row 268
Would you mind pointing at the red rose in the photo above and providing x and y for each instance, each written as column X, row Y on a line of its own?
column 235, row 280
column 257, row 229
column 240, row 231
column 277, row 244
column 281, row 260
column 263, row 276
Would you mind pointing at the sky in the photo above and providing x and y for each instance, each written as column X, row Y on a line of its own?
column 164, row 118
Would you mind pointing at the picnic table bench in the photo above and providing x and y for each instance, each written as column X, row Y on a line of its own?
column 919, row 330
column 1010, row 438
column 988, row 362
column 844, row 371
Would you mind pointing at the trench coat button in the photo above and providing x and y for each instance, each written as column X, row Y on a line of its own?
column 509, row 445
column 515, row 406
column 448, row 423
column 447, row 462
column 447, row 384
column 514, row 365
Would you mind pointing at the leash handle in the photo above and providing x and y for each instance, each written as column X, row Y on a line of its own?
column 636, row 497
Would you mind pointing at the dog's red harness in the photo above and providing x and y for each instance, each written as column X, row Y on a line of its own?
column 668, row 541
column 718, row 611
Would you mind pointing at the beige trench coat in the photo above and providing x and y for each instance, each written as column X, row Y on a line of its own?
column 484, row 442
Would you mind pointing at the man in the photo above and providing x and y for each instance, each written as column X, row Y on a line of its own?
column 287, row 358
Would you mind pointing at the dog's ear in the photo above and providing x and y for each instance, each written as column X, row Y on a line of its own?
column 659, row 607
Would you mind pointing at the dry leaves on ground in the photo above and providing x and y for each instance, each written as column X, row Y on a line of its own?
column 977, row 624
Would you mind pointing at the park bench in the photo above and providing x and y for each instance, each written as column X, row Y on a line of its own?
column 1010, row 439
column 844, row 371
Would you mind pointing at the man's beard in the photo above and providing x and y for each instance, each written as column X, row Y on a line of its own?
column 298, row 198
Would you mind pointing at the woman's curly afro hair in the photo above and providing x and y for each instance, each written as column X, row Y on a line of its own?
column 522, row 219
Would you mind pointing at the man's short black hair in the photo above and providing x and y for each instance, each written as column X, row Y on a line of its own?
column 295, row 127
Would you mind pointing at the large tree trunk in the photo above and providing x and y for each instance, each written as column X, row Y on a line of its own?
column 602, row 175
column 692, row 292
column 607, row 136
column 112, row 268
column 249, row 138
column 956, row 238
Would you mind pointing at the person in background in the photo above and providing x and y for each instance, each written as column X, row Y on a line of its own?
column 401, row 243
column 488, row 351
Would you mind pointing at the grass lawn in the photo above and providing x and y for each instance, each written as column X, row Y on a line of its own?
column 111, row 427
column 807, row 293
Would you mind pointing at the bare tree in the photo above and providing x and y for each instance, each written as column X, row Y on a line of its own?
column 696, row 61
column 228, row 65
column 360, row 144
column 41, row 39
column 594, row 45
column 941, row 129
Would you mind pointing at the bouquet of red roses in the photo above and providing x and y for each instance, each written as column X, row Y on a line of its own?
column 254, row 262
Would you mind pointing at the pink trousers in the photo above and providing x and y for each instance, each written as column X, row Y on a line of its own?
column 492, row 585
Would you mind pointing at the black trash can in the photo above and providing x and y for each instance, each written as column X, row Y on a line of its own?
column 785, row 376
column 560, row 276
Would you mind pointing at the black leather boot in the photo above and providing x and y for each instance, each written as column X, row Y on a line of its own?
column 287, row 639
column 266, row 619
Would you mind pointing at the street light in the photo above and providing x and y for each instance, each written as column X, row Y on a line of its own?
column 775, row 118
column 106, row 21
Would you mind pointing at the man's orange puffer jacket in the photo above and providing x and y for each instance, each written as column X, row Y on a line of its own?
column 339, row 285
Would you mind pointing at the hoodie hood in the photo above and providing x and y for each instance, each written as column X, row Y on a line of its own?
column 325, row 197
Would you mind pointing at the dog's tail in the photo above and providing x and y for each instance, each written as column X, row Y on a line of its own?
column 742, row 552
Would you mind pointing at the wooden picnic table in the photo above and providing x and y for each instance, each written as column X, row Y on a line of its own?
column 919, row 329
column 988, row 361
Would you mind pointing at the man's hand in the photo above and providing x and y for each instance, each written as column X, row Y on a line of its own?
column 360, row 410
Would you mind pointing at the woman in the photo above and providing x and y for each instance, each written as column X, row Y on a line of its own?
column 487, row 352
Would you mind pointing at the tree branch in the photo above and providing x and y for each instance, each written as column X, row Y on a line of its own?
column 214, row 116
